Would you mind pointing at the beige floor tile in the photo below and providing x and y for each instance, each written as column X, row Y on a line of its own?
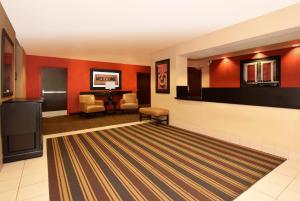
column 44, row 197
column 289, row 195
column 32, row 191
column 287, row 170
column 13, row 165
column 254, row 195
column 268, row 187
column 33, row 166
column 9, row 185
column 31, row 179
column 8, row 195
column 295, row 186
column 298, row 177
column 11, row 171
column 295, row 164
column 279, row 178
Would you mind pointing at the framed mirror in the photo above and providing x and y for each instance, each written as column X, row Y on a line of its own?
column 7, row 63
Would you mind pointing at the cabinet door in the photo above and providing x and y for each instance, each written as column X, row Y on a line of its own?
column 19, row 118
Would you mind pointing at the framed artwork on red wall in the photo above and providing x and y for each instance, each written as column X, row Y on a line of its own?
column 99, row 79
column 261, row 72
column 162, row 76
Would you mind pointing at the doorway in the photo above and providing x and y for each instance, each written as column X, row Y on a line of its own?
column 194, row 81
column 54, row 91
column 143, row 88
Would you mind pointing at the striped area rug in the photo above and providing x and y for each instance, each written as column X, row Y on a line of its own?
column 151, row 162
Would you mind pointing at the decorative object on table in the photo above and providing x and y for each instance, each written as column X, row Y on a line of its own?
column 129, row 102
column 7, row 65
column 98, row 78
column 88, row 104
column 261, row 72
column 109, row 86
column 162, row 76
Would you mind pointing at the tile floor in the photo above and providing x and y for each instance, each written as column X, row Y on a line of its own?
column 28, row 180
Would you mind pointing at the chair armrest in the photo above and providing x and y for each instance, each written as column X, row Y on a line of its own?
column 99, row 102
column 122, row 101
column 82, row 106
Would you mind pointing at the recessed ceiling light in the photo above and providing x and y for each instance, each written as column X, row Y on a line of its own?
column 296, row 45
column 224, row 57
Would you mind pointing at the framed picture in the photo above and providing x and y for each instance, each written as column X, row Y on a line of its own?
column 7, row 65
column 101, row 79
column 162, row 76
column 261, row 72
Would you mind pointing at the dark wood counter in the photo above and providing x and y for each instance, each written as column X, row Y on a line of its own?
column 259, row 96
column 101, row 94
column 21, row 129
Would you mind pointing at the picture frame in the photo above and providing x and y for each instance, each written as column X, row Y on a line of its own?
column 263, row 72
column 162, row 76
column 7, row 65
column 99, row 77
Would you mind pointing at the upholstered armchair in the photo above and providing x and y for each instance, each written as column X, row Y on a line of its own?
column 88, row 104
column 129, row 102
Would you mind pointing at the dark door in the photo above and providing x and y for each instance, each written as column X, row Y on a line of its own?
column 194, row 81
column 143, row 88
column 54, row 89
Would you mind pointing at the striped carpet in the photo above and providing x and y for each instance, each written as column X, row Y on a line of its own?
column 151, row 162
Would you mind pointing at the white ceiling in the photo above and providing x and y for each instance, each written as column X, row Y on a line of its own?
column 107, row 29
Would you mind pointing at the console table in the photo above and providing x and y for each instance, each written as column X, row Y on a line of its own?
column 104, row 94
column 110, row 103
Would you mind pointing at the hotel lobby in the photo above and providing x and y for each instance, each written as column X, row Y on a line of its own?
column 150, row 100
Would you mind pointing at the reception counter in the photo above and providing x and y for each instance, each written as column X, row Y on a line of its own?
column 264, row 96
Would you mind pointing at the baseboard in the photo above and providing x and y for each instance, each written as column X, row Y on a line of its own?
column 74, row 113
column 54, row 113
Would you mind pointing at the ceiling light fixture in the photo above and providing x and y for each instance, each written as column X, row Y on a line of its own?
column 296, row 45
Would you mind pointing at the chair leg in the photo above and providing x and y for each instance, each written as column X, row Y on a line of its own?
column 167, row 119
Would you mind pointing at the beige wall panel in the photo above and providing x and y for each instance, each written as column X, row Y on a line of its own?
column 274, row 130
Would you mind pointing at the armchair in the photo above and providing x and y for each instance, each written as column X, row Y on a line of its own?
column 88, row 104
column 129, row 102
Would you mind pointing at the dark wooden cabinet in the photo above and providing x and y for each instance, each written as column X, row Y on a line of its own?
column 21, row 129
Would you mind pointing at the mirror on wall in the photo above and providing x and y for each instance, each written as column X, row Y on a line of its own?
column 7, row 58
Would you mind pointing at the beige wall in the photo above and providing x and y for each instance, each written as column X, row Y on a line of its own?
column 4, row 23
column 274, row 130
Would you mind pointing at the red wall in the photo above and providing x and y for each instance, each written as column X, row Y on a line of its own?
column 78, row 76
column 226, row 72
